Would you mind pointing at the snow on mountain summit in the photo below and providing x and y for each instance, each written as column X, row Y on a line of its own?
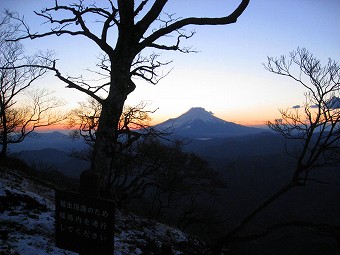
column 199, row 123
column 195, row 113
column 198, row 113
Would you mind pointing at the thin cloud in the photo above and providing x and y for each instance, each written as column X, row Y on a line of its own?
column 296, row 106
column 333, row 103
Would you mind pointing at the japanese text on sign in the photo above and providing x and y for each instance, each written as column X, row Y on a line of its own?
column 82, row 222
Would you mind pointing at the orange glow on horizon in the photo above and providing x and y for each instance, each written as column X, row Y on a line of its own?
column 254, row 118
column 54, row 127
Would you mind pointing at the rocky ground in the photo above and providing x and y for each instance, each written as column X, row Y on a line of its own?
column 27, row 224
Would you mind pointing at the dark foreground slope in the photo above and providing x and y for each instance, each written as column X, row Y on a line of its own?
column 255, row 167
column 27, row 224
column 62, row 161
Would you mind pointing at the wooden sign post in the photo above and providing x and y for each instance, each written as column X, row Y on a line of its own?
column 84, row 224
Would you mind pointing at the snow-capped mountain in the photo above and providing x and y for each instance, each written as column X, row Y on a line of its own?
column 199, row 123
column 191, row 115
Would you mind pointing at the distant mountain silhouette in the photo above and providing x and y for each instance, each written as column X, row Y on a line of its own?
column 201, row 124
column 53, row 140
column 46, row 150
column 58, row 160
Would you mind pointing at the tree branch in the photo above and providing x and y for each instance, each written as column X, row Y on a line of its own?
column 140, row 7
column 147, row 42
column 150, row 17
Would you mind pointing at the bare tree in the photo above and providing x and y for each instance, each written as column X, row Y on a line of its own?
column 133, row 123
column 123, row 30
column 146, row 168
column 123, row 181
column 185, row 185
column 172, row 185
column 315, row 125
column 38, row 111
column 85, row 119
column 16, row 122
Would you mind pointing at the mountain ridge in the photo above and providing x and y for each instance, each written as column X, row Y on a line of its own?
column 62, row 161
column 48, row 140
column 201, row 124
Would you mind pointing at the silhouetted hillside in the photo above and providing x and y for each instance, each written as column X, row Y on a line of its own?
column 27, row 211
column 53, row 140
column 52, row 158
column 254, row 166
column 234, row 148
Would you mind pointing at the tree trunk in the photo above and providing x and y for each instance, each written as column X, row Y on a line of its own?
column 121, row 86
column 106, row 138
column 106, row 135
column 4, row 141
column 4, row 148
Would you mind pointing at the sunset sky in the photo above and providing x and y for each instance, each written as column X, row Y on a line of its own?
column 226, row 76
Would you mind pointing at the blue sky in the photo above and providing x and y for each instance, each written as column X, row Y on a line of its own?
column 226, row 76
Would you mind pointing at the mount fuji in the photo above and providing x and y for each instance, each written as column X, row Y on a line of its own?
column 200, row 124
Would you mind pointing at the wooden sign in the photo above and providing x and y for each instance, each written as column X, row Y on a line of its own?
column 84, row 224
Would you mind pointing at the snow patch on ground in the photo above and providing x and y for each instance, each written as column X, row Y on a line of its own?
column 27, row 225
